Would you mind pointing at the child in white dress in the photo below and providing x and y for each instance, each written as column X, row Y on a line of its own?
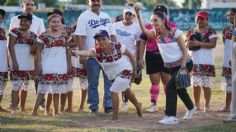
column 52, row 62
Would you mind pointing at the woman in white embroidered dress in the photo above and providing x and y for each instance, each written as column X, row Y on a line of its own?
column 226, row 72
column 4, row 59
column 22, row 62
column 118, row 64
column 53, row 66
column 203, row 59
column 175, row 56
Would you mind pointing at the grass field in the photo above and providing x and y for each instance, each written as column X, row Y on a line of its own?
column 128, row 121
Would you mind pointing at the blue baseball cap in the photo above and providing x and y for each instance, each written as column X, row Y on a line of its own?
column 101, row 33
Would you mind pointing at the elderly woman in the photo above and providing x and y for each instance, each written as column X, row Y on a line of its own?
column 203, row 59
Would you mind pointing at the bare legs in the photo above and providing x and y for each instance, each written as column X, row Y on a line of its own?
column 207, row 97
column 131, row 97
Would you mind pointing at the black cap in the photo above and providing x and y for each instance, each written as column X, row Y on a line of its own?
column 101, row 33
column 2, row 12
column 161, row 8
column 55, row 11
column 26, row 15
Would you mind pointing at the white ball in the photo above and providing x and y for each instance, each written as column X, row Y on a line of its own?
column 139, row 5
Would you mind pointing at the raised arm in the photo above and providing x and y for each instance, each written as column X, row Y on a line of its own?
column 149, row 33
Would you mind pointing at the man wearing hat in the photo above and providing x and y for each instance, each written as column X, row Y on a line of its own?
column 88, row 24
column 128, row 33
column 37, row 25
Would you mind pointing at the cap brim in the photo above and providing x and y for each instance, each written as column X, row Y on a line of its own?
column 202, row 16
column 20, row 17
column 99, row 35
column 131, row 11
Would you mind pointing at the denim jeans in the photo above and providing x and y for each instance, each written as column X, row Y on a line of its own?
column 93, row 79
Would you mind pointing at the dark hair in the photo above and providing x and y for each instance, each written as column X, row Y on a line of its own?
column 161, row 8
column 119, row 18
column 162, row 16
column 2, row 12
column 58, row 12
column 232, row 10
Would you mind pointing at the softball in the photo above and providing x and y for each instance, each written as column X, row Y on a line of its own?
column 139, row 5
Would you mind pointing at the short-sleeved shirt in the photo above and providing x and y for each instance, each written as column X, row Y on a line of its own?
column 89, row 23
column 128, row 35
column 113, row 63
column 36, row 27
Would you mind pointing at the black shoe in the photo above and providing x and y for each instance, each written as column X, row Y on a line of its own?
column 94, row 111
column 108, row 110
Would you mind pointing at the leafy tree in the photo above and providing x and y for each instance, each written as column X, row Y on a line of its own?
column 195, row 3
column 11, row 2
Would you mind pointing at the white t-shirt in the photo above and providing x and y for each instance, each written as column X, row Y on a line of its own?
column 89, row 23
column 128, row 35
column 36, row 27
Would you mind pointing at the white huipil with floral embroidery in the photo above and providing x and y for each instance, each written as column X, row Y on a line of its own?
column 78, row 77
column 226, row 83
column 170, row 50
column 24, row 59
column 54, row 77
column 116, row 66
column 4, row 61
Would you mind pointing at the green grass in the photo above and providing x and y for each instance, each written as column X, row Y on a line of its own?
column 85, row 121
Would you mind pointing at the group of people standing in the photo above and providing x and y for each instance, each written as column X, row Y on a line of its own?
column 60, row 58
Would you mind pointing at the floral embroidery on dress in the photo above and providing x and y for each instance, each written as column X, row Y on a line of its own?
column 226, row 72
column 54, row 79
column 109, row 57
column 205, row 35
column 125, row 74
column 227, row 32
column 50, row 41
column 168, row 38
column 79, row 72
column 3, row 76
column 22, row 40
column 204, row 69
column 2, row 34
column 22, row 75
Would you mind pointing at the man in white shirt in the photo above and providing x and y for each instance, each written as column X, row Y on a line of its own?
column 37, row 27
column 88, row 24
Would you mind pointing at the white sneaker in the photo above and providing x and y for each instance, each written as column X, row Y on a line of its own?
column 189, row 113
column 169, row 120
column 152, row 108
column 124, row 106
